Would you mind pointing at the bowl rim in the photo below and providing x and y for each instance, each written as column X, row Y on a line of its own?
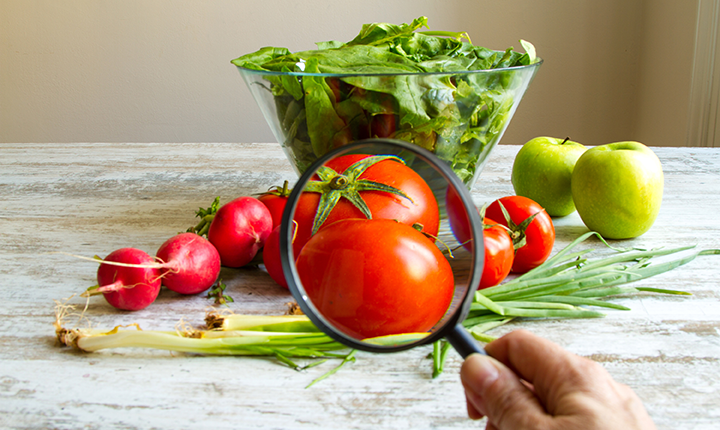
column 539, row 61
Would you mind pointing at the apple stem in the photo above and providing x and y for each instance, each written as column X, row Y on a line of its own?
column 566, row 139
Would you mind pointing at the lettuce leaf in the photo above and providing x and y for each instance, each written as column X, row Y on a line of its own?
column 388, row 69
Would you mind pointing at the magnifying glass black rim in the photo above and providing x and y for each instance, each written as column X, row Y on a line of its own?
column 292, row 277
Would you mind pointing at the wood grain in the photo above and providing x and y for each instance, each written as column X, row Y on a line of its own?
column 90, row 199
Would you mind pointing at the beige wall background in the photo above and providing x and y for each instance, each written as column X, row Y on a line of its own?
column 159, row 70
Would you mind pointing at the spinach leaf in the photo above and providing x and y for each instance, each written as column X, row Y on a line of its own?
column 323, row 121
column 332, row 95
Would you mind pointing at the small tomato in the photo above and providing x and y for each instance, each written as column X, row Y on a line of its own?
column 275, row 200
column 499, row 253
column 532, row 229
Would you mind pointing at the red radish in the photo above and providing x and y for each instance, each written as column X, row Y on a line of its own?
column 190, row 263
column 239, row 230
column 128, row 288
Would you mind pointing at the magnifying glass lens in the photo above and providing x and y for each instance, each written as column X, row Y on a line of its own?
column 377, row 243
column 376, row 277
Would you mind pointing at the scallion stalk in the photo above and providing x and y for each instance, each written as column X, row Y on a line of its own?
column 229, row 321
column 284, row 337
column 568, row 284
column 235, row 342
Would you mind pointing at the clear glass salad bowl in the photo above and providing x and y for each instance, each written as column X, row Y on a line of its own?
column 459, row 116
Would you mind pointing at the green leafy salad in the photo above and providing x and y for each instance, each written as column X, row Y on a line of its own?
column 432, row 88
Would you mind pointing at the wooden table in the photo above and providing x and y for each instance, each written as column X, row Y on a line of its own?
column 90, row 199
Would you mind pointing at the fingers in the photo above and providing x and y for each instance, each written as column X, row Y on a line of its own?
column 553, row 371
column 530, row 382
column 473, row 413
column 494, row 391
column 526, row 353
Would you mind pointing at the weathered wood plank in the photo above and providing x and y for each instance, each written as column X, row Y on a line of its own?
column 93, row 198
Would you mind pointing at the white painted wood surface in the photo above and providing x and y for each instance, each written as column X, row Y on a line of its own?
column 90, row 199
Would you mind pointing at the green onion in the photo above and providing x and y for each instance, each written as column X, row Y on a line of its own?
column 439, row 354
column 567, row 284
column 283, row 337
column 229, row 321
column 349, row 357
column 236, row 342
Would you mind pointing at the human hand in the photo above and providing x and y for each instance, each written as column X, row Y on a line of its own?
column 533, row 383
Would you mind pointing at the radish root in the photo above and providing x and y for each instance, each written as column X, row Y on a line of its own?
column 215, row 319
column 159, row 265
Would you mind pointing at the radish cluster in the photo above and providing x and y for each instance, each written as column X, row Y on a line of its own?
column 187, row 263
column 130, row 279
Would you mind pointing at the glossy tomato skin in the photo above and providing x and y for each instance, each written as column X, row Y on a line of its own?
column 540, row 234
column 499, row 254
column 498, row 245
column 275, row 205
column 458, row 218
column 272, row 260
column 422, row 207
column 239, row 230
column 376, row 277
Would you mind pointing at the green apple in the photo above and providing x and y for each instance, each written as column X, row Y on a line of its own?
column 618, row 188
column 542, row 171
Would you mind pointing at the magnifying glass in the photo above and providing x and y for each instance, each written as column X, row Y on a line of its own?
column 381, row 246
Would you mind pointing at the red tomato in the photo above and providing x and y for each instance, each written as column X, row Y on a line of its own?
column 458, row 217
column 334, row 84
column 275, row 201
column 499, row 254
column 342, row 138
column 538, row 235
column 421, row 208
column 376, row 277
column 340, row 89
column 498, row 245
column 382, row 125
column 271, row 257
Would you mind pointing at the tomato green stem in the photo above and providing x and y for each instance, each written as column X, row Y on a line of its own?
column 283, row 191
column 339, row 182
column 333, row 186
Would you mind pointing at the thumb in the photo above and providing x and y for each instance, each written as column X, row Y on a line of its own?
column 497, row 393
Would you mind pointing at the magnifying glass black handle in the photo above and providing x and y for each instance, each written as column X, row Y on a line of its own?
column 463, row 342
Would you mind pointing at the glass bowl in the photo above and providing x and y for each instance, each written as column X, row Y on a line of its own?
column 459, row 116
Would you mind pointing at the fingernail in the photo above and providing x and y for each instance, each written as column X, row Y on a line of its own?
column 477, row 403
column 478, row 373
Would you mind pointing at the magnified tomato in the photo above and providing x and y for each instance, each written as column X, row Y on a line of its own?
column 532, row 230
column 376, row 277
column 458, row 218
column 418, row 206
